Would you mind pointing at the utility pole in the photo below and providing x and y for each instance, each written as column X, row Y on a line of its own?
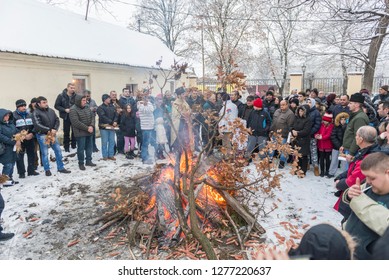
column 138, row 24
column 202, row 53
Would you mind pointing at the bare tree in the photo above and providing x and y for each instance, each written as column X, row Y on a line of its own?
column 227, row 27
column 164, row 19
column 280, row 37
column 89, row 4
column 366, row 24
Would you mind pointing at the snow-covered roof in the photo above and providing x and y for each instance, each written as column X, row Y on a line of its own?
column 31, row 27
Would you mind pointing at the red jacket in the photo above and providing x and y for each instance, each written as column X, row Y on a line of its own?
column 347, row 179
column 325, row 144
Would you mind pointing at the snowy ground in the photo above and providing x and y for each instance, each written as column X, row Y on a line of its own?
column 60, row 208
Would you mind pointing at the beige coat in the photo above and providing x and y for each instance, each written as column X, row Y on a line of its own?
column 181, row 110
column 375, row 216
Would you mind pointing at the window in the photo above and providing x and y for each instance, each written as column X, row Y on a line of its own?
column 132, row 87
column 81, row 82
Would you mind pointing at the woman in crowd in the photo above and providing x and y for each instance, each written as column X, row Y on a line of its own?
column 8, row 156
column 301, row 131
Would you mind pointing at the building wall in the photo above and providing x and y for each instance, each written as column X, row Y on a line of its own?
column 28, row 76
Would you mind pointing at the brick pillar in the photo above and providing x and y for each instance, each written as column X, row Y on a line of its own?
column 296, row 82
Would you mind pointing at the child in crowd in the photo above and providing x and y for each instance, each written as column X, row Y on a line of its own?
column 127, row 126
column 324, row 144
column 337, row 134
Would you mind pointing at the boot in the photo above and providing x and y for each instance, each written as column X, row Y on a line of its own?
column 129, row 156
column 6, row 236
column 281, row 165
column 316, row 170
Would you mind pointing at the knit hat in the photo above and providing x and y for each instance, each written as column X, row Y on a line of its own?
column 105, row 97
column 258, row 103
column 385, row 88
column 357, row 97
column 20, row 103
column 327, row 117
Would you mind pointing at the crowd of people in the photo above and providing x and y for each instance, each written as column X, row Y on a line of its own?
column 337, row 134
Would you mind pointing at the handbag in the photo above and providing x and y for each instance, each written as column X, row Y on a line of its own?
column 2, row 149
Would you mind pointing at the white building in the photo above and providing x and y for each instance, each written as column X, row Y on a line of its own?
column 42, row 48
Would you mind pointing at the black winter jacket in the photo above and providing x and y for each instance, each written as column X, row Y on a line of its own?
column 7, row 131
column 44, row 120
column 315, row 117
column 259, row 122
column 128, row 124
column 303, row 126
column 81, row 118
column 63, row 102
column 337, row 136
column 107, row 115
column 270, row 106
column 245, row 112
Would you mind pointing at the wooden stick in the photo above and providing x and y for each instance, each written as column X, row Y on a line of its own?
column 241, row 211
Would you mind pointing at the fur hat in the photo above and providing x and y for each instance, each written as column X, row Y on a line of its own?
column 105, row 97
column 341, row 116
column 20, row 103
column 357, row 97
column 258, row 103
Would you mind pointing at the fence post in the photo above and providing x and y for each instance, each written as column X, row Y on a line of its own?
column 296, row 81
column 354, row 82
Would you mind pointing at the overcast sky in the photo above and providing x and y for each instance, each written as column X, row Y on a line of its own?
column 118, row 12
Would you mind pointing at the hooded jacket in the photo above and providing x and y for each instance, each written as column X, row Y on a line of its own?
column 315, row 117
column 44, row 120
column 7, row 131
column 338, row 131
column 81, row 118
column 303, row 126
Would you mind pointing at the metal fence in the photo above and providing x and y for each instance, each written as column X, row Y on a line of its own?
column 379, row 82
column 325, row 84
column 252, row 85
